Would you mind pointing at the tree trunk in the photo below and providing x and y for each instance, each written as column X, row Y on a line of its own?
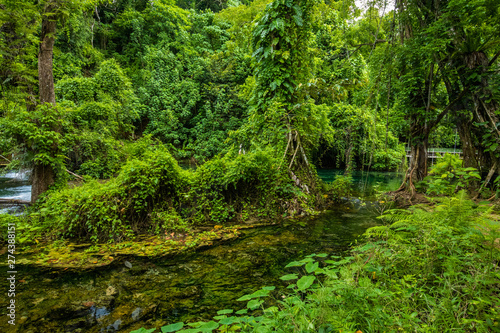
column 417, row 169
column 482, row 109
column 464, row 128
column 45, row 54
column 43, row 176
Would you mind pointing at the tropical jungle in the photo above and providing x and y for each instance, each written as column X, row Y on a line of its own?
column 250, row 166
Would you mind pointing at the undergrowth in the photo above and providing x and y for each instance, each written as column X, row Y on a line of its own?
column 429, row 270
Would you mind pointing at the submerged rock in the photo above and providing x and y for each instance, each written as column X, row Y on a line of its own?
column 136, row 314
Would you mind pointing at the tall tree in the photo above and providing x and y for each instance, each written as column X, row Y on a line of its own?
column 281, row 112
column 43, row 174
column 450, row 43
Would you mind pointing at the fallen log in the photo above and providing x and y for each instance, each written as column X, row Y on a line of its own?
column 14, row 202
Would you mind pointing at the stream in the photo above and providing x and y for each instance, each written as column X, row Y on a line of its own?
column 14, row 185
column 135, row 292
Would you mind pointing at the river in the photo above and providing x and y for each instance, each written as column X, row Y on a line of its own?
column 137, row 292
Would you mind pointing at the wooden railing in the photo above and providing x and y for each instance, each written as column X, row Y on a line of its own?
column 434, row 153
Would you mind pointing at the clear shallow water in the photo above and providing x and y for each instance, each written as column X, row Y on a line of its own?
column 366, row 184
column 185, row 288
column 188, row 287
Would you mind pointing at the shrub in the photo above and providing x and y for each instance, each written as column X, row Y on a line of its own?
column 119, row 208
column 448, row 176
column 341, row 187
column 240, row 185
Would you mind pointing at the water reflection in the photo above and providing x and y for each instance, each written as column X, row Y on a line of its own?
column 366, row 184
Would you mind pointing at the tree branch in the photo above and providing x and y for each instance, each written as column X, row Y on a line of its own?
column 447, row 109
column 494, row 59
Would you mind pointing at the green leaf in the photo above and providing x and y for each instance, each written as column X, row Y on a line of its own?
column 241, row 312
column 295, row 264
column 289, row 277
column 229, row 321
column 258, row 293
column 225, row 311
column 253, row 304
column 305, row 282
column 311, row 267
column 172, row 327
column 244, row 298
column 209, row 327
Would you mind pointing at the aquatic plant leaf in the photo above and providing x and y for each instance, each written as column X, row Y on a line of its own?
column 209, row 327
column 255, row 303
column 311, row 267
column 305, row 282
column 172, row 327
column 289, row 277
column 225, row 311
column 242, row 311
column 295, row 264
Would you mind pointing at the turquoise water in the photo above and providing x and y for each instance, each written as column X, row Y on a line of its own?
column 366, row 184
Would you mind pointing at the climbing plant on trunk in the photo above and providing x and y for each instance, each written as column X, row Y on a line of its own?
column 281, row 114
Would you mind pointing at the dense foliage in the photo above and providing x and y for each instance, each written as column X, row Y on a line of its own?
column 162, row 116
column 347, row 86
